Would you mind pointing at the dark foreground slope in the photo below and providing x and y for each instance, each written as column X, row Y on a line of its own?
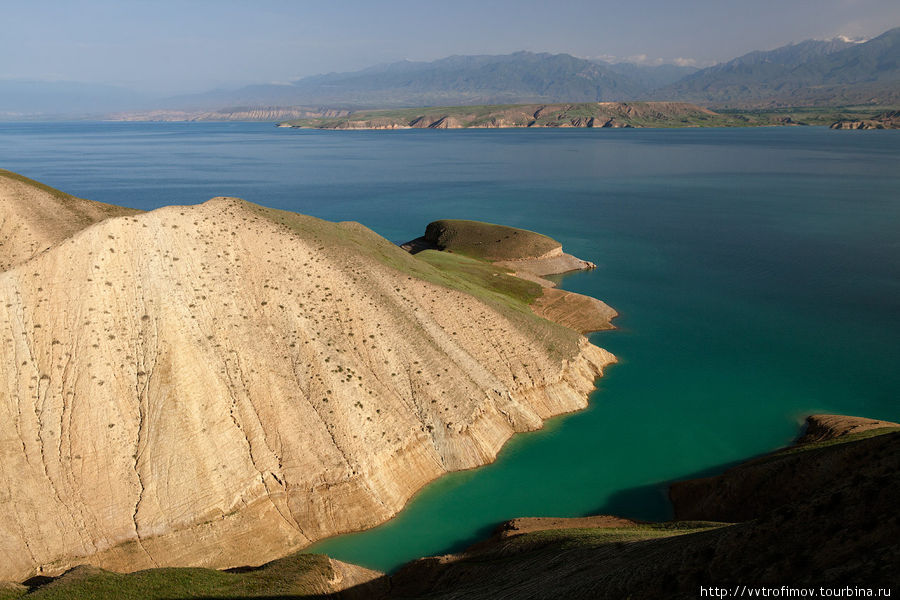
column 818, row 514
column 296, row 576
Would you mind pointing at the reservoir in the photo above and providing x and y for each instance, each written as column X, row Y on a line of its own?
column 757, row 273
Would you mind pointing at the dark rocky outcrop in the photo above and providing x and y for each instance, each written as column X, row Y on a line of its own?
column 887, row 120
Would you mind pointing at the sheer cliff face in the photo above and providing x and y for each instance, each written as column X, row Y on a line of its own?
column 221, row 384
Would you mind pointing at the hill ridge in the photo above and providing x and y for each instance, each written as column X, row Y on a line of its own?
column 219, row 384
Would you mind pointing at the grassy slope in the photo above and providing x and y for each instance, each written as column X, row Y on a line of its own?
column 298, row 575
column 486, row 241
column 67, row 200
column 844, row 439
column 532, row 565
column 508, row 295
column 820, row 116
column 59, row 195
column 783, row 477
column 588, row 537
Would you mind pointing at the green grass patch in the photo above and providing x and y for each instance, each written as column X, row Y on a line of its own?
column 551, row 542
column 844, row 439
column 809, row 115
column 11, row 591
column 487, row 241
column 597, row 536
column 297, row 575
column 58, row 194
column 476, row 277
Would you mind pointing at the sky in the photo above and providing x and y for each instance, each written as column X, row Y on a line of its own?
column 170, row 47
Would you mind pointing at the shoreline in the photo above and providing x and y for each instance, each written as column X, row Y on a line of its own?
column 442, row 355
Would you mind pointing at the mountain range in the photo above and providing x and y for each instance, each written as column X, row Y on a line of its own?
column 810, row 73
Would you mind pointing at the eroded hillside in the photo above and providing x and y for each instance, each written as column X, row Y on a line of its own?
column 220, row 384
column 34, row 217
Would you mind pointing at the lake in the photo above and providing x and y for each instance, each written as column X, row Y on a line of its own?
column 757, row 273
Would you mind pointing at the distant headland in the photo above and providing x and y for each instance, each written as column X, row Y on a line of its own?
column 597, row 115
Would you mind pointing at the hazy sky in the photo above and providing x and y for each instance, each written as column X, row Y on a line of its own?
column 170, row 47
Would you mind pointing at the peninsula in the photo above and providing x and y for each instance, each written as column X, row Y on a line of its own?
column 602, row 115
column 584, row 114
column 221, row 384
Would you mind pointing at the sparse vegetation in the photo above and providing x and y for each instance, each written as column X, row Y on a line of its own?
column 583, row 114
column 487, row 241
column 486, row 282
column 597, row 536
column 298, row 575
column 59, row 195
column 843, row 439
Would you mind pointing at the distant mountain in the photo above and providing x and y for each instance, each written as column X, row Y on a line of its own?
column 30, row 99
column 809, row 73
column 836, row 72
column 483, row 79
column 653, row 77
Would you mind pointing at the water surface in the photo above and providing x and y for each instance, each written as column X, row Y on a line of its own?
column 757, row 272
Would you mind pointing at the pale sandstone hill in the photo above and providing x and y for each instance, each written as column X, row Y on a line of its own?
column 221, row 384
column 34, row 217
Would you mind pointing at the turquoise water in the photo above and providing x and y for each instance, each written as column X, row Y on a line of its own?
column 757, row 272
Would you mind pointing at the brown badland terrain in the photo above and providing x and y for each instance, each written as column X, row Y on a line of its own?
column 220, row 384
column 886, row 120
column 584, row 114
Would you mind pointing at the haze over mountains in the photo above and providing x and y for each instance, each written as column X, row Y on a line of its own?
column 809, row 73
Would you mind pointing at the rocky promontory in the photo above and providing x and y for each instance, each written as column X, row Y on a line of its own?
column 221, row 384
column 526, row 255
column 886, row 120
